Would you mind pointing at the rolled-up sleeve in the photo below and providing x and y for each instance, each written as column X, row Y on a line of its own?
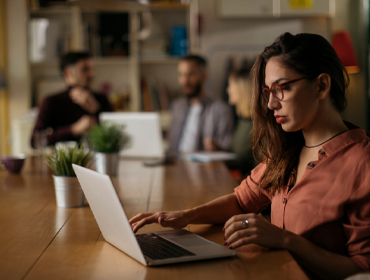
column 252, row 199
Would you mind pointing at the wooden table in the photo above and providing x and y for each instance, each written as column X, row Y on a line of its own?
column 41, row 241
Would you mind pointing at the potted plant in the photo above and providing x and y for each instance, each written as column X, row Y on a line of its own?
column 107, row 140
column 68, row 191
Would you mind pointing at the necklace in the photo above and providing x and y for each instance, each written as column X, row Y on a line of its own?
column 325, row 140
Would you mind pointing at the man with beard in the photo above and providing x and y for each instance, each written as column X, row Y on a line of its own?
column 199, row 122
column 67, row 115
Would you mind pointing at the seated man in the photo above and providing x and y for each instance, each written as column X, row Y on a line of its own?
column 199, row 122
column 67, row 115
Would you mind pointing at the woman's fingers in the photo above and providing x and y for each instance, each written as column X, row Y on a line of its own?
column 239, row 222
column 143, row 219
column 249, row 239
column 139, row 217
column 239, row 218
column 240, row 237
column 175, row 219
column 256, row 230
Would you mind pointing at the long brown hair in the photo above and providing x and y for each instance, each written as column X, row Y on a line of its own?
column 309, row 55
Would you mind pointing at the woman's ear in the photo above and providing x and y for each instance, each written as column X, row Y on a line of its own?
column 324, row 85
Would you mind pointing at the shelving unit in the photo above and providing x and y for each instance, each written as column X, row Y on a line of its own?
column 120, row 71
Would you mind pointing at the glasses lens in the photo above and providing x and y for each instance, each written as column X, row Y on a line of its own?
column 266, row 94
column 277, row 90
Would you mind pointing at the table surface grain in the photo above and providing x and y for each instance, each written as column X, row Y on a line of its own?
column 38, row 240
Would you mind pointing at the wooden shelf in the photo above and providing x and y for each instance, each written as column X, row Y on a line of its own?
column 98, row 61
column 50, row 10
column 114, row 60
column 164, row 5
column 62, row 9
column 48, row 63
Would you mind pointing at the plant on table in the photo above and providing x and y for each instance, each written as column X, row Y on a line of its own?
column 61, row 160
column 108, row 138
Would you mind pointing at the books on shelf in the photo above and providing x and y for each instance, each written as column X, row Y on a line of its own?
column 155, row 95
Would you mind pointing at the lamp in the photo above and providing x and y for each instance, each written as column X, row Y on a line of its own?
column 342, row 44
column 2, row 80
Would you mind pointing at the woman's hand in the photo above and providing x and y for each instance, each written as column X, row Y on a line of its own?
column 173, row 219
column 257, row 231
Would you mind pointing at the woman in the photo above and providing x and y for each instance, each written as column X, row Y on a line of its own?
column 240, row 95
column 314, row 168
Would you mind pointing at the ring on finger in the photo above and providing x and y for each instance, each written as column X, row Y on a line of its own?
column 244, row 223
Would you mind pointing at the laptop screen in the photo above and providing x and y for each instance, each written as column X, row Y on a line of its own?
column 144, row 131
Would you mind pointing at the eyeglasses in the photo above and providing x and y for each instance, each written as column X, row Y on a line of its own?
column 277, row 90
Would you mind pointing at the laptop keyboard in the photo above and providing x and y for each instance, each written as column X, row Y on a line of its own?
column 157, row 248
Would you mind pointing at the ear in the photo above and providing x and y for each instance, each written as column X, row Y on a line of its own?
column 69, row 74
column 65, row 72
column 324, row 85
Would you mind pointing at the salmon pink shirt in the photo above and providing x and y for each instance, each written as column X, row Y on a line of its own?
column 330, row 205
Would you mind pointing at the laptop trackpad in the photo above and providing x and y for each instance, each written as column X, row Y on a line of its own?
column 191, row 241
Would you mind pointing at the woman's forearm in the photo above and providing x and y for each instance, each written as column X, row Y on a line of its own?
column 216, row 211
column 325, row 264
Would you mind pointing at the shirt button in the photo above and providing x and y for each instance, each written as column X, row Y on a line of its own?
column 284, row 200
column 321, row 152
column 310, row 165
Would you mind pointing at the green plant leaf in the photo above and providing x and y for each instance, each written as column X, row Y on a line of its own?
column 108, row 138
column 61, row 160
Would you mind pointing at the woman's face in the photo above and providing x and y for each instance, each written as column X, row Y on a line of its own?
column 299, row 108
column 232, row 90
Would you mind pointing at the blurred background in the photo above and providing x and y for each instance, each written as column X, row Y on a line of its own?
column 136, row 46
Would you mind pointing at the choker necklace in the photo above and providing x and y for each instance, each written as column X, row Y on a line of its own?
column 325, row 140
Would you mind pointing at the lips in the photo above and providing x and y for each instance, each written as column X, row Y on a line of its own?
column 280, row 119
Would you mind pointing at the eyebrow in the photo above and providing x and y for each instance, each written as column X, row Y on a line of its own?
column 277, row 81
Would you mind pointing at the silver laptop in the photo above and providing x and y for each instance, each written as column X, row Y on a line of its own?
column 144, row 131
column 171, row 246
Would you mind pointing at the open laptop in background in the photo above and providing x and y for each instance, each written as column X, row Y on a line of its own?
column 150, row 249
column 144, row 130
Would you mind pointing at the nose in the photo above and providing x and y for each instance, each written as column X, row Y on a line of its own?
column 273, row 103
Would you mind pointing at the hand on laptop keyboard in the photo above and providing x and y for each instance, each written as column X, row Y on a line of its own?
column 173, row 219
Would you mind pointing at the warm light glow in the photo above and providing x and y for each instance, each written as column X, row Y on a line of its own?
column 342, row 44
column 352, row 69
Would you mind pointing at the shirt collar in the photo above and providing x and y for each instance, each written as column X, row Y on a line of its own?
column 354, row 134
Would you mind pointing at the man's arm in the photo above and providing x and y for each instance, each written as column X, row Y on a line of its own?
column 45, row 131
